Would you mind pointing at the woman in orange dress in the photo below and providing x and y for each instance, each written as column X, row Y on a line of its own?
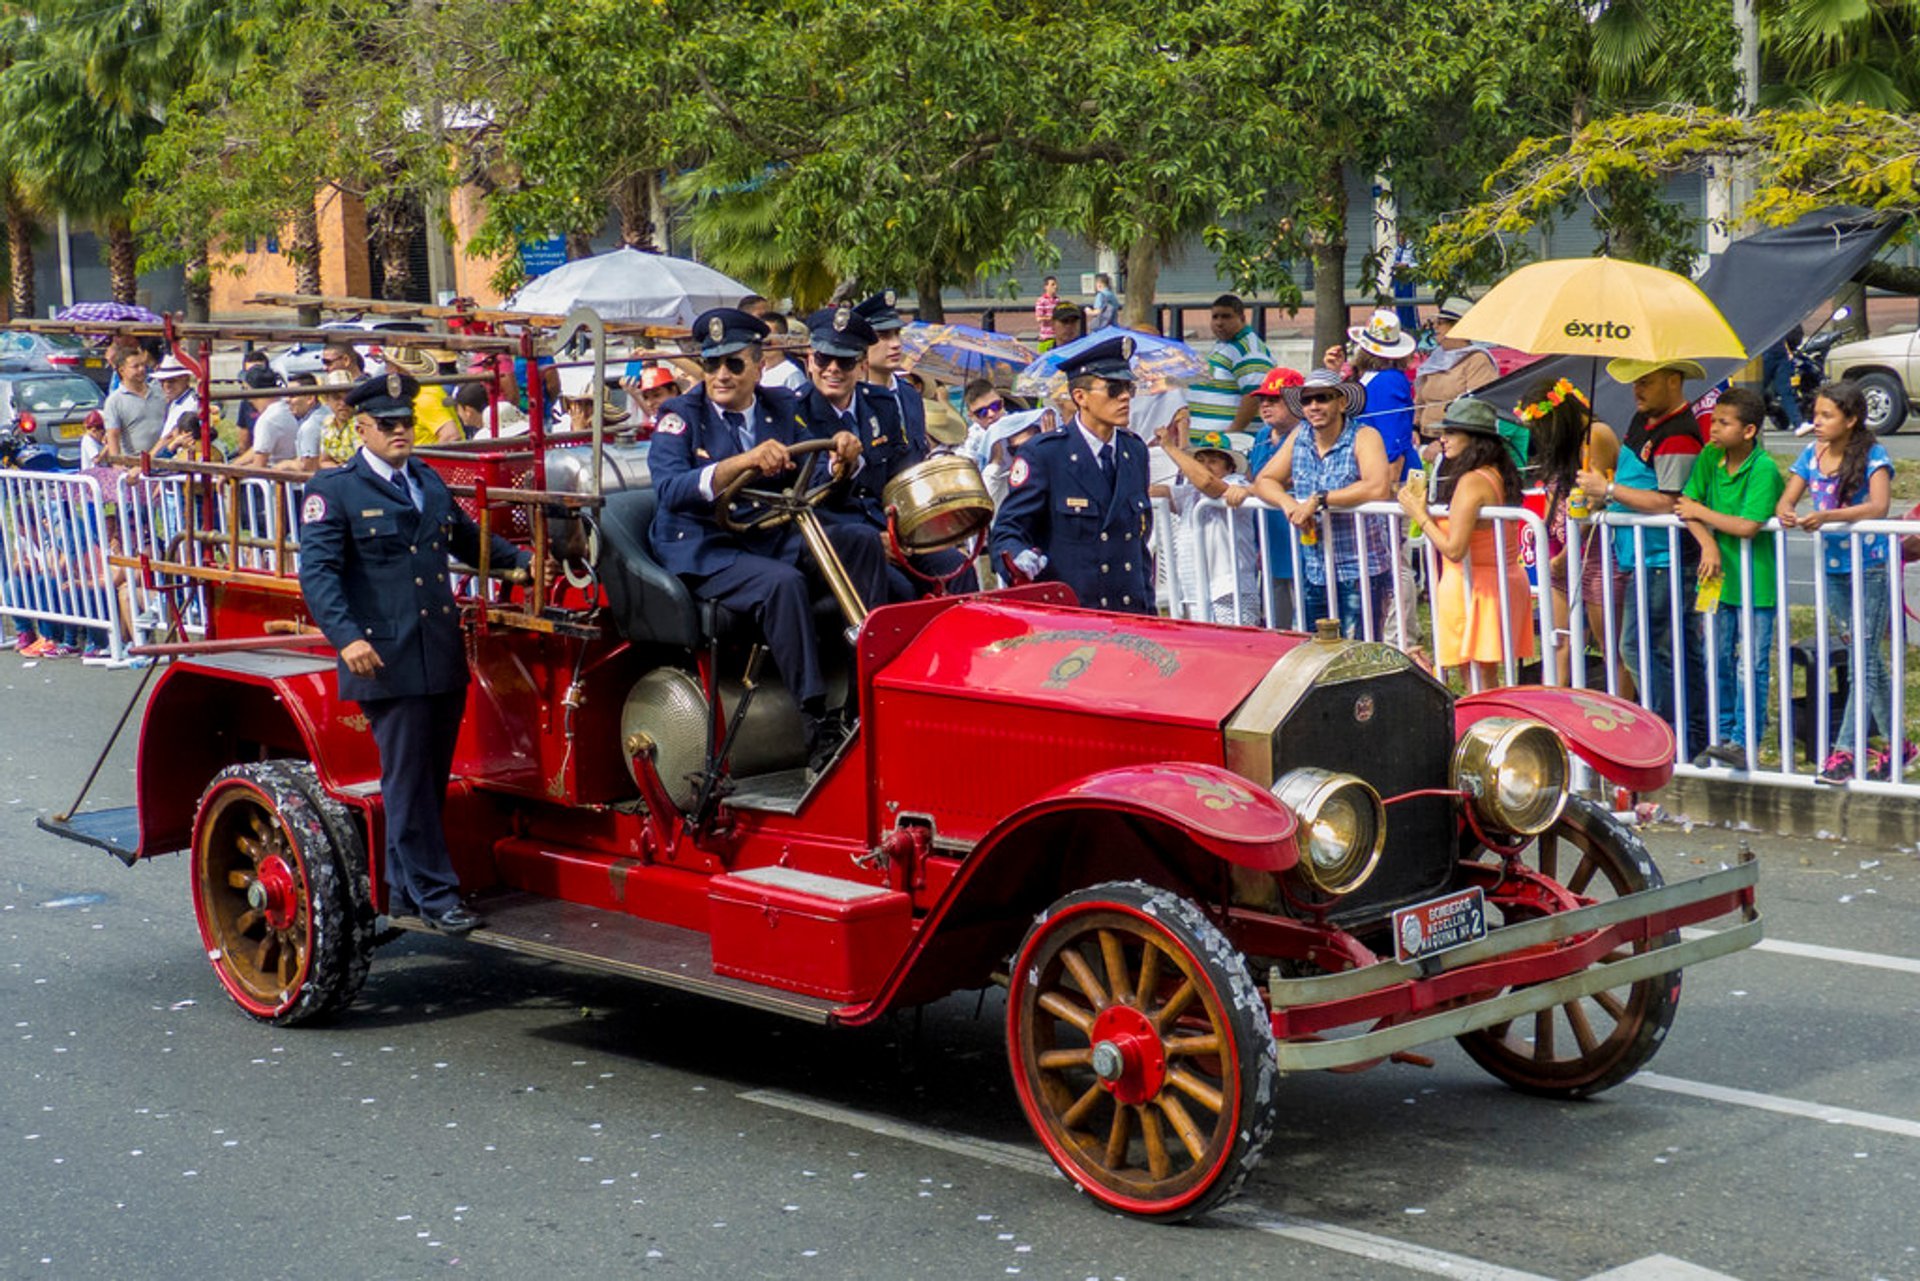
column 1476, row 471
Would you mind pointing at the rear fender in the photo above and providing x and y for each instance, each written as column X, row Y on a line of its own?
column 1624, row 741
column 1179, row 826
column 203, row 718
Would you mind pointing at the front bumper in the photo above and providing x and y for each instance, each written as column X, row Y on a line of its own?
column 1515, row 970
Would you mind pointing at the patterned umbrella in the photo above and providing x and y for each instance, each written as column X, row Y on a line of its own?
column 108, row 311
column 1155, row 361
column 960, row 353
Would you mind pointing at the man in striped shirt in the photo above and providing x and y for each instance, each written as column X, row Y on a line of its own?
column 1224, row 400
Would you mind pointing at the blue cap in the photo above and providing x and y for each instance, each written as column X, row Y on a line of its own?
column 725, row 330
column 1112, row 358
column 388, row 396
column 840, row 331
column 880, row 312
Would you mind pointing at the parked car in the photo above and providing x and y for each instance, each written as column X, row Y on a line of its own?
column 63, row 353
column 1888, row 371
column 304, row 358
column 51, row 408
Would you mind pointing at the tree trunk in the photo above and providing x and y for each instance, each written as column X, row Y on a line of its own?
column 1853, row 296
column 633, row 200
column 927, row 285
column 123, row 261
column 1890, row 276
column 1143, row 257
column 305, row 253
column 1327, row 246
column 579, row 245
column 20, row 259
column 199, row 281
column 392, row 225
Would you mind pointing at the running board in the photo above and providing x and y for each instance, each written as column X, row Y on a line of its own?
column 117, row 831
column 615, row 943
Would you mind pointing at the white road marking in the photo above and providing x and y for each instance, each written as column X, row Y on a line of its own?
column 1774, row 1103
column 1661, row 1267
column 1006, row 1155
column 1815, row 952
column 1413, row 1258
column 1027, row 1160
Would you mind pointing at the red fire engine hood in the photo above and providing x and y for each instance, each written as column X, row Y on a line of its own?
column 1088, row 661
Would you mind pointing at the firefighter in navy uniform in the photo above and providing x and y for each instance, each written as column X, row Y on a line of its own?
column 838, row 400
column 702, row 441
column 1077, row 510
column 374, row 540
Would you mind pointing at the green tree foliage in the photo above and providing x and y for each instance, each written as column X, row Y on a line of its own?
column 1842, row 51
column 1799, row 161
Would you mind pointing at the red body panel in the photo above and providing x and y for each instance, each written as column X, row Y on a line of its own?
column 837, row 949
column 994, row 705
column 1622, row 740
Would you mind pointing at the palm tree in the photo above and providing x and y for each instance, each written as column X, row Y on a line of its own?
column 1817, row 51
column 734, row 231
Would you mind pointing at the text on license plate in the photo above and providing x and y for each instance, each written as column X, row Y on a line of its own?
column 72, row 431
column 1439, row 924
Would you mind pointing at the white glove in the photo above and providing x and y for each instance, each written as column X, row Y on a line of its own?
column 1030, row 562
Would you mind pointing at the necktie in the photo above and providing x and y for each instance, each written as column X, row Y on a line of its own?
column 738, row 422
column 403, row 482
column 1106, row 462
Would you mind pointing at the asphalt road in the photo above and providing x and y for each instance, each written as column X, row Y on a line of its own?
column 497, row 1116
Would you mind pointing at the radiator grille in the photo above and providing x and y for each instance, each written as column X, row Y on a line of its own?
column 1396, row 732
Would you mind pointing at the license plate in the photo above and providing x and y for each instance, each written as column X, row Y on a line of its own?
column 1439, row 924
column 94, row 362
column 72, row 431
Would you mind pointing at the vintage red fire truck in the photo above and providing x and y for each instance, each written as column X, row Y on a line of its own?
column 1197, row 857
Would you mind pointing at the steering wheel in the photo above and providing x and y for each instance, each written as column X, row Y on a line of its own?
column 776, row 506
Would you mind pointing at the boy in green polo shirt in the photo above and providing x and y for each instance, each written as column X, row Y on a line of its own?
column 1729, row 498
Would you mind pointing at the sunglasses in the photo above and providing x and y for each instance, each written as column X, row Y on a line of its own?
column 1116, row 387
column 393, row 426
column 732, row 364
column 988, row 410
column 825, row 361
column 1319, row 398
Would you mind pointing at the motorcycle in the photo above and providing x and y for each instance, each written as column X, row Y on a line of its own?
column 19, row 451
column 1807, row 366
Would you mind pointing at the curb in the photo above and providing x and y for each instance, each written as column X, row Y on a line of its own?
column 1820, row 813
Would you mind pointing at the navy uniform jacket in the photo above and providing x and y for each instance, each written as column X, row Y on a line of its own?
column 886, row 448
column 375, row 569
column 1093, row 536
column 690, row 434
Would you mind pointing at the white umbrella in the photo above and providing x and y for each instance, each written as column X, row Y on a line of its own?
column 631, row 285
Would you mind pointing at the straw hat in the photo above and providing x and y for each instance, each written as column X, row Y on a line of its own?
column 1327, row 380
column 1627, row 370
column 1382, row 336
column 411, row 360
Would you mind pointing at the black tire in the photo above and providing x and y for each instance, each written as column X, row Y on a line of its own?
column 1886, row 402
column 1180, row 1034
column 280, row 893
column 1613, row 862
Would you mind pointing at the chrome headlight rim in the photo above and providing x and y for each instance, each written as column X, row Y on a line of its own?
column 1491, row 751
column 1310, row 793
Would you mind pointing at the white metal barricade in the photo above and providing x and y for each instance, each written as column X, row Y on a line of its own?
column 54, row 544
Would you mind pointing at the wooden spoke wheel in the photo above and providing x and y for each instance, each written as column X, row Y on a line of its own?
column 280, row 892
column 1593, row 1043
column 1141, row 1050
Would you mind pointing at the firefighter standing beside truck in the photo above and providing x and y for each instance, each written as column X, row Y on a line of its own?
column 1077, row 509
column 375, row 535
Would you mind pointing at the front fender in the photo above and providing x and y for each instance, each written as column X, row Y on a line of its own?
column 1219, row 810
column 1624, row 741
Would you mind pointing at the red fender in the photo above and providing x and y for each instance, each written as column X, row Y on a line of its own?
column 1224, row 813
column 1624, row 741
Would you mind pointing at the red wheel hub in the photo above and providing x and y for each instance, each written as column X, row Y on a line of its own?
column 1127, row 1054
column 274, row 892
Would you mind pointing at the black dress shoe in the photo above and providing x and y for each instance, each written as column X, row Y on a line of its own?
column 454, row 920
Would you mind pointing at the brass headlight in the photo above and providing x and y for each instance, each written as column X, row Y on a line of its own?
column 1515, row 771
column 1343, row 827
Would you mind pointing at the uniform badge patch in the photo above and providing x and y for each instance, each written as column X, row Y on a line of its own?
column 1020, row 472
column 671, row 425
column 315, row 508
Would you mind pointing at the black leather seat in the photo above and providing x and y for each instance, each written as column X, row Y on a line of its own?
column 648, row 603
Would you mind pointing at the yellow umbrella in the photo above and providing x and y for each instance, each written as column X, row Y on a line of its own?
column 1601, row 307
